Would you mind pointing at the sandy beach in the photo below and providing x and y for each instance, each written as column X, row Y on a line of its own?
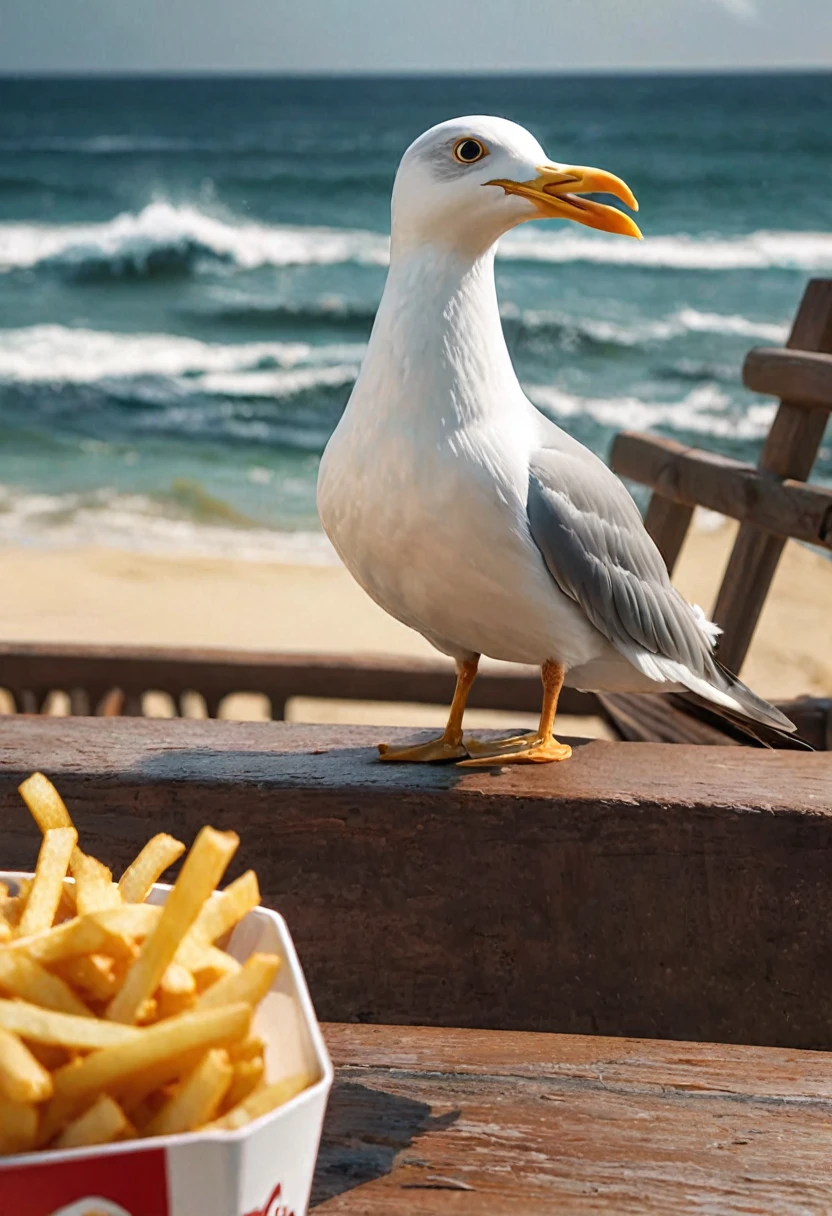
column 108, row 596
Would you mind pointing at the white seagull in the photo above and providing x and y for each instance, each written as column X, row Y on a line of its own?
column 462, row 510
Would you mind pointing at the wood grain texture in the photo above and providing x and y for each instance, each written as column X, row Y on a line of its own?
column 790, row 450
column 636, row 889
column 692, row 477
column 800, row 376
column 460, row 1121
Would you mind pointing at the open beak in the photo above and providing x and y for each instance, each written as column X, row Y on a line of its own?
column 556, row 193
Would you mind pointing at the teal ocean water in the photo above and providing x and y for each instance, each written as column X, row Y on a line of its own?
column 189, row 271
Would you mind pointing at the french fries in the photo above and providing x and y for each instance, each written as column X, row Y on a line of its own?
column 207, row 963
column 197, row 1098
column 21, row 976
column 120, row 1018
column 162, row 1044
column 200, row 873
column 94, row 886
column 62, row 1029
column 104, row 1122
column 47, row 888
column 18, row 1127
column 44, row 802
column 137, row 880
column 93, row 975
column 22, row 1078
column 261, row 1102
column 250, row 984
column 223, row 912
column 248, row 1074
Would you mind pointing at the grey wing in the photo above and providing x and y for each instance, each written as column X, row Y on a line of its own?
column 599, row 553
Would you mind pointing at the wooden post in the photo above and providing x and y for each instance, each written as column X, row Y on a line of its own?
column 789, row 451
column 668, row 523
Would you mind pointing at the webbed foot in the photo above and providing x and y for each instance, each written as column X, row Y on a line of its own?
column 433, row 752
column 522, row 749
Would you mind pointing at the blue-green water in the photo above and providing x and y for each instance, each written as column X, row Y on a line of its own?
column 189, row 272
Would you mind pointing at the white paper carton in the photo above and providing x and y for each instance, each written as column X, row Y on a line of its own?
column 264, row 1169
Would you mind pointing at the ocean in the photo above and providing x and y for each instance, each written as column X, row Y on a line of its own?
column 189, row 270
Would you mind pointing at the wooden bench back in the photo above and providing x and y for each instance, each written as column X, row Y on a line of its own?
column 772, row 501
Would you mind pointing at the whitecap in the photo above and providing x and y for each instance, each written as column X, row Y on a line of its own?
column 277, row 383
column 169, row 232
column 761, row 250
column 704, row 411
column 691, row 320
column 56, row 353
column 131, row 240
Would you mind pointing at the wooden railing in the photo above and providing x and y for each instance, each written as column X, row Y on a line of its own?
column 112, row 680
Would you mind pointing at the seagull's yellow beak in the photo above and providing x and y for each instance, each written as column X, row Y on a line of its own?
column 555, row 193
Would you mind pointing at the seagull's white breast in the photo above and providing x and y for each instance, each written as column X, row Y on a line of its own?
column 429, row 515
column 423, row 486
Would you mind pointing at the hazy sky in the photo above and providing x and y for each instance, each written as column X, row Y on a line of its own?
column 410, row 35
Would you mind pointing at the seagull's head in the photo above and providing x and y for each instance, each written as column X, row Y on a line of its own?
column 467, row 181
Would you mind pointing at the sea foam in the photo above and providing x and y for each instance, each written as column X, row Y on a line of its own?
column 167, row 235
column 56, row 353
column 164, row 236
column 704, row 411
column 141, row 523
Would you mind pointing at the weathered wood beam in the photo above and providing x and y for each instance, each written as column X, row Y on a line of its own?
column 697, row 478
column 635, row 889
column 802, row 377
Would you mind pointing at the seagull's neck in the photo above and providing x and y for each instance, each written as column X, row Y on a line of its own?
column 437, row 342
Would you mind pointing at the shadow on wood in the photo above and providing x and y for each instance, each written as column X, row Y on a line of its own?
column 552, row 1123
column 365, row 1131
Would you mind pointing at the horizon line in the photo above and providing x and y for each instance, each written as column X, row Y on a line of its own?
column 405, row 73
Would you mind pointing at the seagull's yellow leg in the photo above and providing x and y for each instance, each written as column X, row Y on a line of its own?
column 538, row 747
column 449, row 745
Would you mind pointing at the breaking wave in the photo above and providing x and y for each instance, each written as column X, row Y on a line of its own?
column 240, row 309
column 61, row 354
column 126, row 388
column 751, row 251
column 55, row 353
column 643, row 330
column 164, row 238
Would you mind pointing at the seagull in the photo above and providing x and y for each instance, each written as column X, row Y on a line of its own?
column 462, row 510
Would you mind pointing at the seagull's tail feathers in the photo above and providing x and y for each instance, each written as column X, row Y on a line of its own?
column 739, row 727
column 716, row 685
column 725, row 691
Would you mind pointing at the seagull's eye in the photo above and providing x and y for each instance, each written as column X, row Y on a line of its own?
column 468, row 151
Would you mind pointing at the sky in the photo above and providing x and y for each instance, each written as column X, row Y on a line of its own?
column 411, row 35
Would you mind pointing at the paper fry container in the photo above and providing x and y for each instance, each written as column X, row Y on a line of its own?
column 264, row 1169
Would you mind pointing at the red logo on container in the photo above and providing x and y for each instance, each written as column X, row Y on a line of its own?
column 272, row 1207
column 122, row 1184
